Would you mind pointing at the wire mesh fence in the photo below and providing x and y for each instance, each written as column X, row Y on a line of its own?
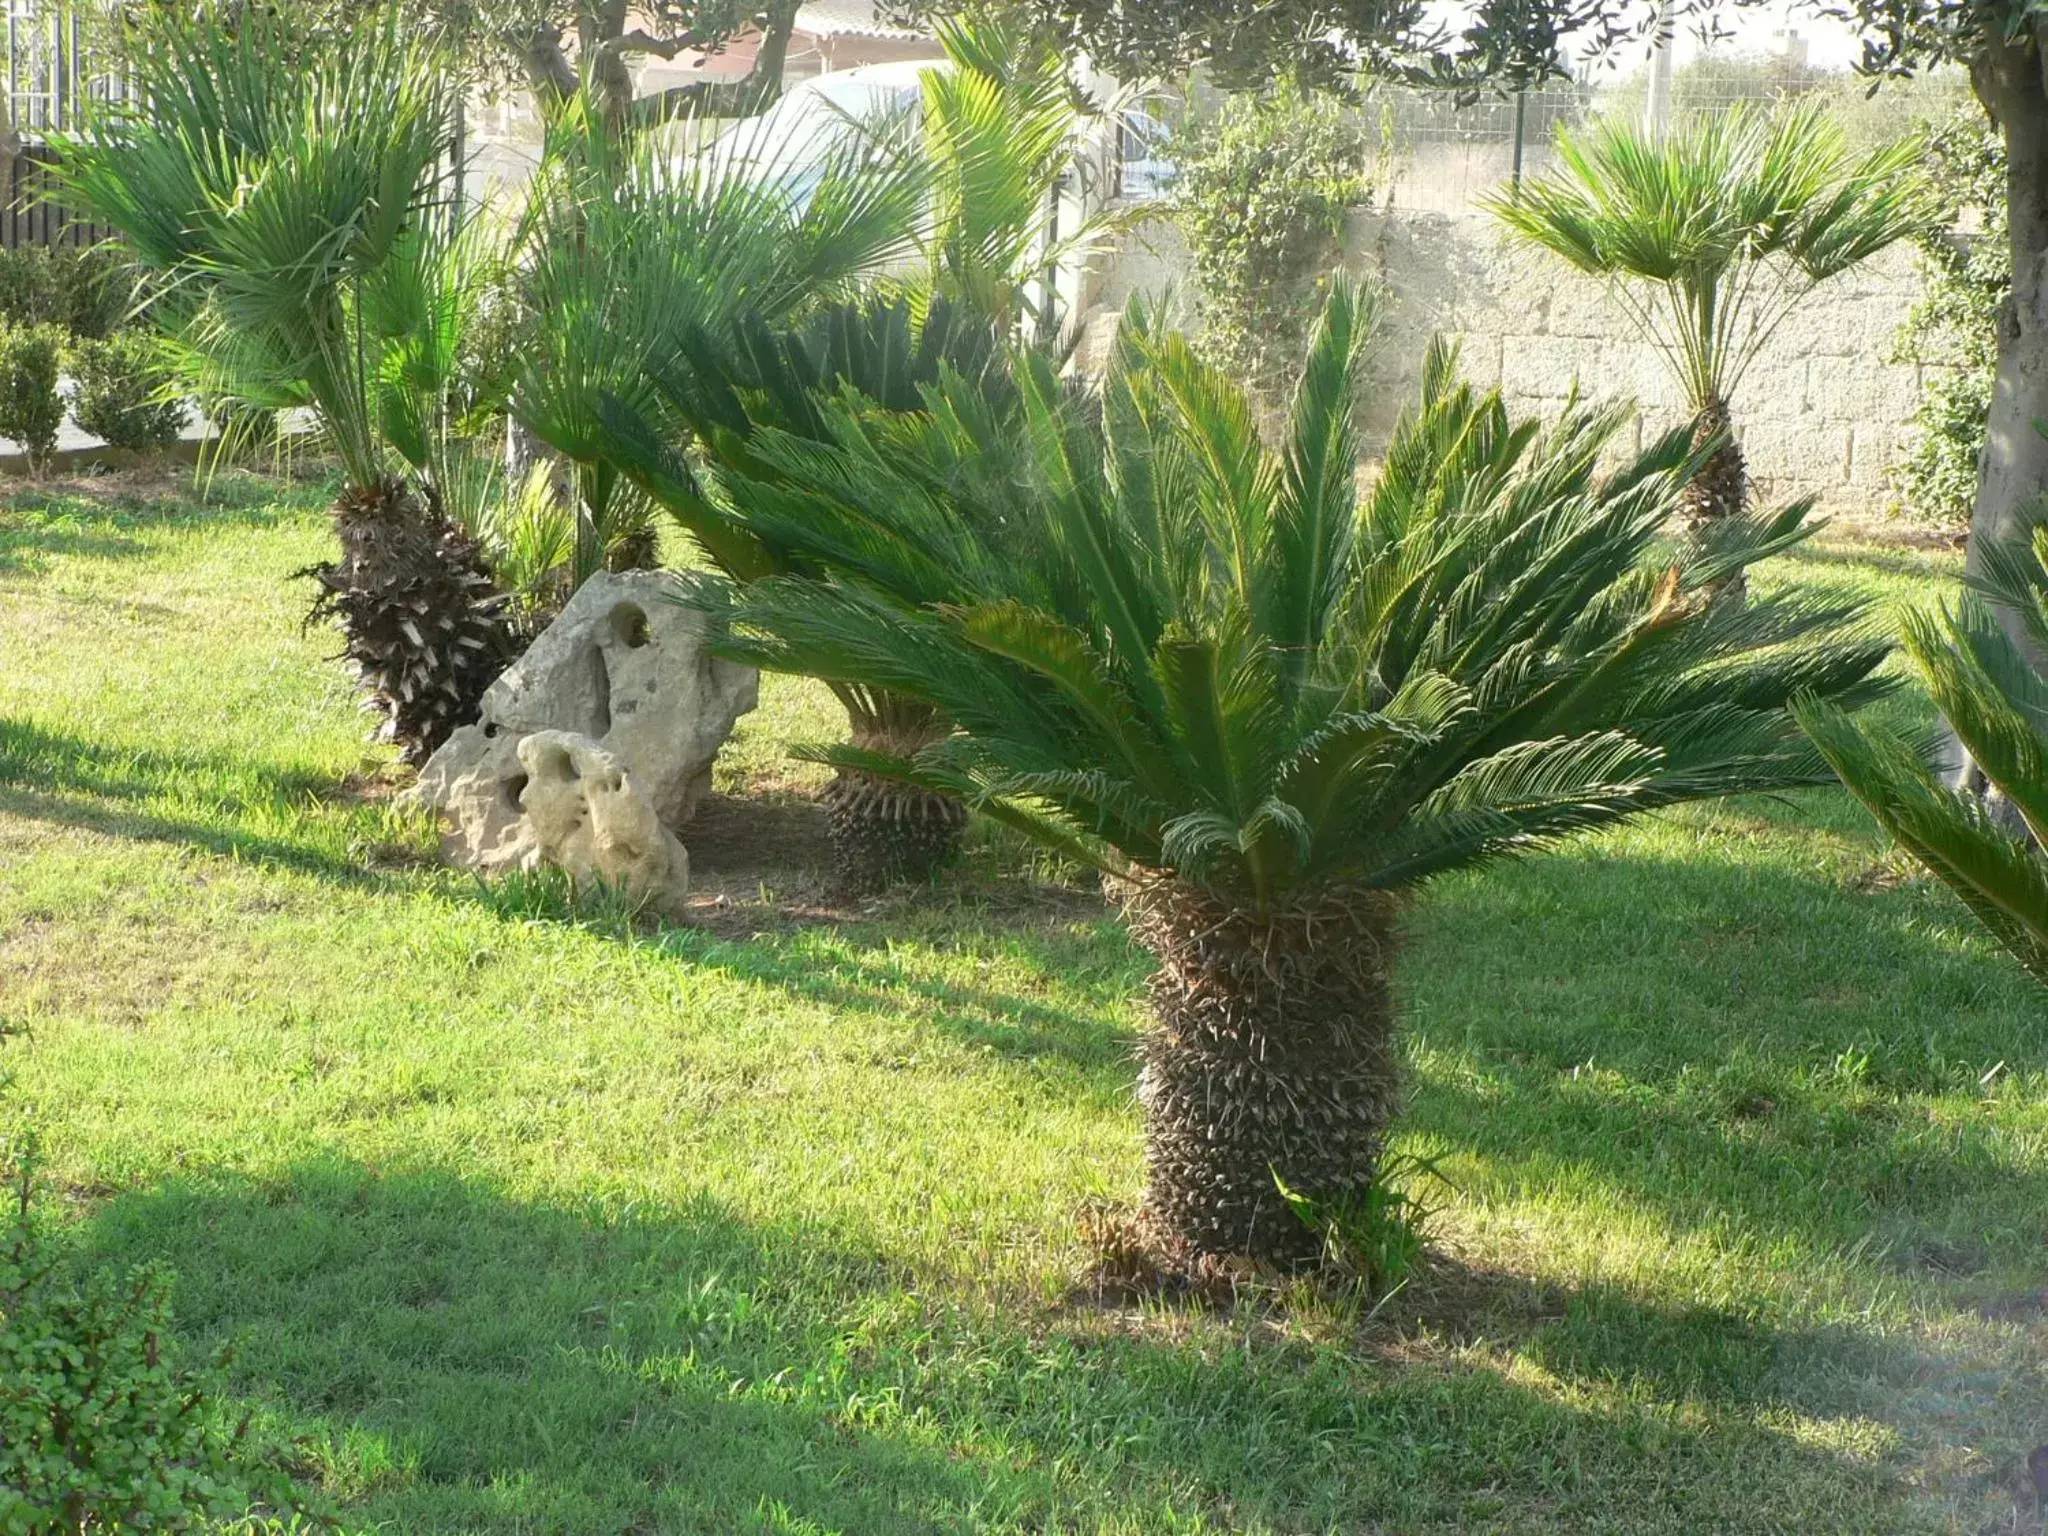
column 1440, row 156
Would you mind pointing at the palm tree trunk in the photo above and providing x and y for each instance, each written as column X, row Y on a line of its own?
column 421, row 620
column 1721, row 489
column 1271, row 1060
column 885, row 832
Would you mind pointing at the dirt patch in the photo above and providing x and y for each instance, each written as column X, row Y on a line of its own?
column 1890, row 535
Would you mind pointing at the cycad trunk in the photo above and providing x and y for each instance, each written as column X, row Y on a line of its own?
column 422, row 622
column 1722, row 486
column 884, row 832
column 1271, row 1060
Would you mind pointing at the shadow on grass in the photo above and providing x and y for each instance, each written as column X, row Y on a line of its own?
column 471, row 1361
column 112, row 522
column 1742, row 1050
column 865, row 979
column 52, row 777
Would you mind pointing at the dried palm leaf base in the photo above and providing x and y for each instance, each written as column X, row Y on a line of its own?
column 884, row 833
column 1271, row 1060
column 422, row 622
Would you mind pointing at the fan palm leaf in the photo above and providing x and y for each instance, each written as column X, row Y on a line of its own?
column 1715, row 234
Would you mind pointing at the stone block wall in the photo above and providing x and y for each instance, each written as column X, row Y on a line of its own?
column 1821, row 411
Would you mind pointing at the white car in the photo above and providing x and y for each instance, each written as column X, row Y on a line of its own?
column 818, row 121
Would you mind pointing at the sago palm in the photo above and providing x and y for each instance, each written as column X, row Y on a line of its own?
column 757, row 377
column 1713, row 235
column 292, row 209
column 1998, row 706
column 671, row 336
column 1267, row 710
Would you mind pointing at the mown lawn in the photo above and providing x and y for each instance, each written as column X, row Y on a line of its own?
column 525, row 1220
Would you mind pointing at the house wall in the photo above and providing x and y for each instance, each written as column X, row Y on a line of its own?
column 1821, row 412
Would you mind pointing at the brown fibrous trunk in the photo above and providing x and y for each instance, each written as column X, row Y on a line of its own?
column 1271, row 1061
column 886, row 833
column 1721, row 488
column 423, row 624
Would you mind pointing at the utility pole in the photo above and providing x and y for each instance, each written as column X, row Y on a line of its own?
column 1657, row 109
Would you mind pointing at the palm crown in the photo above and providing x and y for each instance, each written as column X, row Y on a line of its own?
column 1722, row 228
column 290, row 205
column 1171, row 649
column 292, row 209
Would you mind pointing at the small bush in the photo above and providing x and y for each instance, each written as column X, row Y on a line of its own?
column 99, row 1430
column 88, row 291
column 1261, row 196
column 126, row 396
column 31, row 410
column 1382, row 1238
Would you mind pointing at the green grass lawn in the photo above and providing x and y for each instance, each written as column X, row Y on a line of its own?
column 523, row 1219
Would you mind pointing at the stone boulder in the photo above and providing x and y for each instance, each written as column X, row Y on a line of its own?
column 626, row 668
column 588, row 817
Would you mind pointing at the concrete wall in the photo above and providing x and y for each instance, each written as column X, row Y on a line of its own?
column 1820, row 412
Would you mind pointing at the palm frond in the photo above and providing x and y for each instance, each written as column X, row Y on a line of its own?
column 1255, row 678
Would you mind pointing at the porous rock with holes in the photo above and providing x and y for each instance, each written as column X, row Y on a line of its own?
column 587, row 816
column 624, row 667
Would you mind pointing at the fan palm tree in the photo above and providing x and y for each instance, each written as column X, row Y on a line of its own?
column 1268, row 711
column 1713, row 236
column 634, row 248
column 291, row 209
column 1998, row 706
column 674, row 330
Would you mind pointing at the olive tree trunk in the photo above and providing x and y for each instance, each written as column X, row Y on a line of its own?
column 1270, row 1061
column 2013, row 474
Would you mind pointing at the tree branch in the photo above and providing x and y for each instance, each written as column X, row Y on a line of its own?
column 641, row 41
column 750, row 94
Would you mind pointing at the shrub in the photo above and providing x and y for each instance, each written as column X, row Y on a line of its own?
column 1263, row 189
column 99, row 1429
column 87, row 291
column 1956, row 323
column 126, row 396
column 31, row 410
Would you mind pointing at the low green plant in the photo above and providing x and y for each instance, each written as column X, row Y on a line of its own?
column 1261, row 197
column 99, row 1428
column 87, row 291
column 31, row 409
column 126, row 397
column 1380, row 1234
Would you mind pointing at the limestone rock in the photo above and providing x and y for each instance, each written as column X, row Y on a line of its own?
column 589, row 818
column 623, row 666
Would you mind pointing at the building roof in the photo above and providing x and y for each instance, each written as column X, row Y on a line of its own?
column 849, row 18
